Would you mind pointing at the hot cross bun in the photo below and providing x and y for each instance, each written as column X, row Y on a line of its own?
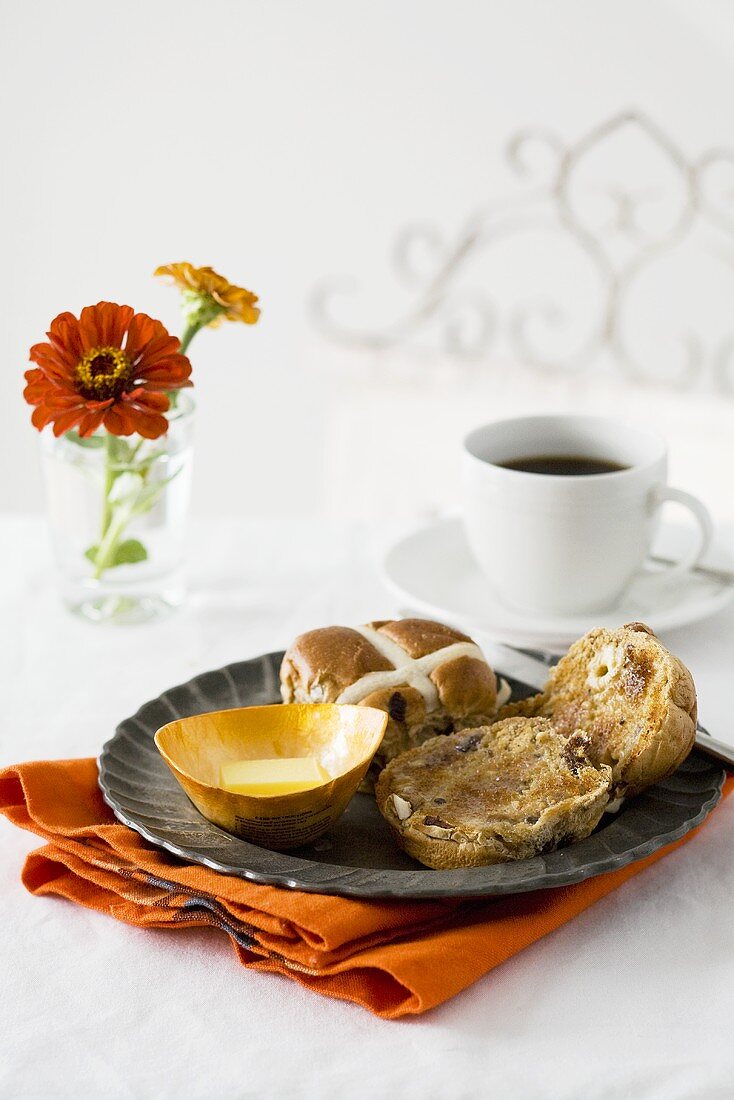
column 430, row 678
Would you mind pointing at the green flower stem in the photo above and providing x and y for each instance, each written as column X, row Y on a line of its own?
column 134, row 451
column 108, row 545
column 120, row 457
column 109, row 480
column 192, row 327
column 189, row 333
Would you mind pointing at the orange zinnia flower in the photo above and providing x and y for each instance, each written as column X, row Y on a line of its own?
column 111, row 368
column 203, row 287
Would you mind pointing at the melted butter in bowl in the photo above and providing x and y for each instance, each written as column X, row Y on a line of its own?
column 341, row 739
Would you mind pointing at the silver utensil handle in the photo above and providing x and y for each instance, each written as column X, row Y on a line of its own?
column 711, row 747
column 529, row 665
column 724, row 576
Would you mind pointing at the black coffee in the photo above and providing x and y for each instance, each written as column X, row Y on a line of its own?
column 563, row 465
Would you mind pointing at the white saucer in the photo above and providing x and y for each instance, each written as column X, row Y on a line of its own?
column 432, row 572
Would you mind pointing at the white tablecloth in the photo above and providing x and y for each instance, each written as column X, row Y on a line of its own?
column 633, row 998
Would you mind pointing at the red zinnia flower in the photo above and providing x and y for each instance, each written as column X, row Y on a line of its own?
column 110, row 367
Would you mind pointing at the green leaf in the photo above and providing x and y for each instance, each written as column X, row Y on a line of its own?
column 93, row 442
column 127, row 553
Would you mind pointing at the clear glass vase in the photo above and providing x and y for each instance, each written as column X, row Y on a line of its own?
column 117, row 509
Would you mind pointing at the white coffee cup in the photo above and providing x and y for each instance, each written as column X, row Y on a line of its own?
column 557, row 544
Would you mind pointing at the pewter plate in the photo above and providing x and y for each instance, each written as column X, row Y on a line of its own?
column 359, row 858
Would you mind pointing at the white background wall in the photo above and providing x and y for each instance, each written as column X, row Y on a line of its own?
column 284, row 141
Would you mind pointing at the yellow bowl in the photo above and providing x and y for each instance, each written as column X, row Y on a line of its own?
column 342, row 738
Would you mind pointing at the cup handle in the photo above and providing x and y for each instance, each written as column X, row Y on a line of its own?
column 705, row 528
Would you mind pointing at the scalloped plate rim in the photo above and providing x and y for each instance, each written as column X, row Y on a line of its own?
column 312, row 876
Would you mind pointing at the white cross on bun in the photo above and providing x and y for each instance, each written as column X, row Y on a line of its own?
column 429, row 678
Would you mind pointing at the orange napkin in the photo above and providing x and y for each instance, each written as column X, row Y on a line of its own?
column 395, row 959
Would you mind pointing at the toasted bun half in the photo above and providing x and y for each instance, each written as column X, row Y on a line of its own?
column 493, row 794
column 634, row 699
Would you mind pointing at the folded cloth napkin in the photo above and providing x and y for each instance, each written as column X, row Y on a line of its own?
column 393, row 958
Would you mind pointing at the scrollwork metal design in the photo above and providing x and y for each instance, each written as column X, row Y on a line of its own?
column 617, row 249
